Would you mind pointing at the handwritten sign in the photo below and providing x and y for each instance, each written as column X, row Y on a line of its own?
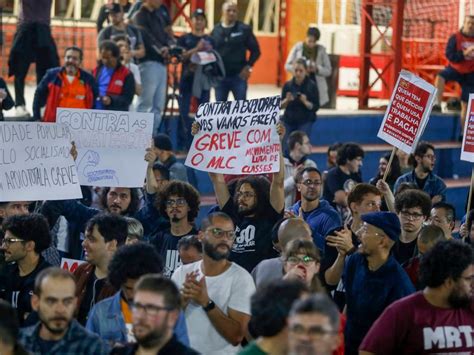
column 111, row 145
column 70, row 264
column 467, row 151
column 408, row 112
column 237, row 137
column 35, row 163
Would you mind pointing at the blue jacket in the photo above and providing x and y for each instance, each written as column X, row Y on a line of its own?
column 433, row 186
column 321, row 220
column 106, row 320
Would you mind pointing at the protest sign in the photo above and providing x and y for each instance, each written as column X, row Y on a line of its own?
column 70, row 264
column 467, row 151
column 110, row 144
column 35, row 163
column 237, row 137
column 408, row 112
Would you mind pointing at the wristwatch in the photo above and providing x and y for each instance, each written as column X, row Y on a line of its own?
column 249, row 68
column 210, row 306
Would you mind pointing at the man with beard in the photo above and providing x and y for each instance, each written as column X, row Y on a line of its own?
column 313, row 326
column 424, row 160
column 179, row 201
column 67, row 86
column 439, row 319
column 319, row 214
column 57, row 332
column 372, row 277
column 216, row 292
column 155, row 312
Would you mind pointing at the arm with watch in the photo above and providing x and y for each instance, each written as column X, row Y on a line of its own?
column 231, row 326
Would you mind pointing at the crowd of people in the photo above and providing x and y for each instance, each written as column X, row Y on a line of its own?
column 306, row 260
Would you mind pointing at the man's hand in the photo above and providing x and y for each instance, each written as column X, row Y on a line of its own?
column 289, row 96
column 150, row 156
column 245, row 73
column 436, row 199
column 195, row 128
column 73, row 151
column 281, row 130
column 106, row 100
column 383, row 187
column 297, row 273
column 468, row 51
column 194, row 290
column 342, row 241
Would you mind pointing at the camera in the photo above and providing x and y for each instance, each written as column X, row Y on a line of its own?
column 176, row 51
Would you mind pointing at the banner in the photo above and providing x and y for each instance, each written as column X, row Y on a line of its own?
column 70, row 264
column 237, row 137
column 467, row 151
column 111, row 145
column 408, row 112
column 35, row 163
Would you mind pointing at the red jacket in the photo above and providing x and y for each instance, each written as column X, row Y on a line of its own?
column 121, row 88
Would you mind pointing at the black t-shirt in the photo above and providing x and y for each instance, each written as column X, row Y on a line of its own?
column 167, row 246
column 335, row 180
column 253, row 241
column 190, row 41
column 421, row 182
column 18, row 290
column 404, row 251
column 93, row 288
column 46, row 345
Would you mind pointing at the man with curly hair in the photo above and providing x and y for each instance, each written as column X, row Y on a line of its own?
column 179, row 201
column 111, row 318
column 439, row 319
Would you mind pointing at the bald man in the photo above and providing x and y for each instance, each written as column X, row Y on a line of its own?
column 289, row 229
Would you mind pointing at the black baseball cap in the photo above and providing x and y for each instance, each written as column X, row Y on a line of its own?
column 199, row 12
column 115, row 9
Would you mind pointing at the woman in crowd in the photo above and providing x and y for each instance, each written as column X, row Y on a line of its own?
column 393, row 174
column 319, row 65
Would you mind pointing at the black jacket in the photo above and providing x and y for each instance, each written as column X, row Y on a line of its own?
column 232, row 44
column 8, row 102
column 173, row 347
column 296, row 112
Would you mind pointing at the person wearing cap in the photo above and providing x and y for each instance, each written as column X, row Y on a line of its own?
column 104, row 12
column 372, row 277
column 193, row 42
column 119, row 29
column 233, row 39
column 164, row 153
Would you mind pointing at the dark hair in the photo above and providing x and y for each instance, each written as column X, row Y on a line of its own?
column 261, row 187
column 123, row 38
column 395, row 170
column 132, row 262
column 271, row 304
column 30, row 227
column 110, row 226
column 54, row 273
column 420, row 150
column 411, row 199
column 334, row 147
column 159, row 284
column 76, row 49
column 318, row 303
column 359, row 191
column 110, row 46
column 314, row 32
column 190, row 241
column 449, row 208
column 209, row 219
column 309, row 169
column 134, row 200
column 404, row 186
column 431, row 234
column 180, row 189
column 9, row 324
column 296, row 137
column 349, row 151
column 301, row 61
column 447, row 259
column 164, row 171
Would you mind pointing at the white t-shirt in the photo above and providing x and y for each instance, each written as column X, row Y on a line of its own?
column 231, row 289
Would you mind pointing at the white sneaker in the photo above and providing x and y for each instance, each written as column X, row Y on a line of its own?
column 21, row 111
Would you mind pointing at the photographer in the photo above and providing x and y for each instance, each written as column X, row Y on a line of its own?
column 193, row 42
column 300, row 100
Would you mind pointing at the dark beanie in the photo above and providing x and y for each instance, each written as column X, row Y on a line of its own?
column 386, row 221
column 163, row 142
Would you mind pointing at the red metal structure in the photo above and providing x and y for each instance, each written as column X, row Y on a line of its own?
column 388, row 75
column 180, row 6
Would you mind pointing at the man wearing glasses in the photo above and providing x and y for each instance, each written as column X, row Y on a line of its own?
column 216, row 292
column 422, row 175
column 372, row 277
column 413, row 208
column 319, row 214
column 179, row 202
column 26, row 236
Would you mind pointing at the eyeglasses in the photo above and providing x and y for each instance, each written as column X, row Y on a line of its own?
column 311, row 182
column 413, row 216
column 149, row 309
column 430, row 156
column 245, row 195
column 306, row 260
column 220, row 233
column 179, row 202
column 9, row 241
column 314, row 332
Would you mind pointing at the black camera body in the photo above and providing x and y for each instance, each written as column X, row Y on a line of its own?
column 176, row 51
